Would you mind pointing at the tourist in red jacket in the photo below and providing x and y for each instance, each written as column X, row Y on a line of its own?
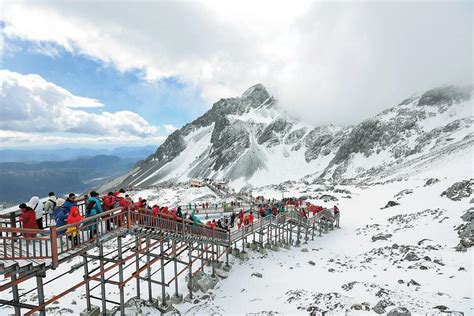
column 28, row 218
column 74, row 217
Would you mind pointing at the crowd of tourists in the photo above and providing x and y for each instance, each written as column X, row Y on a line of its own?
column 66, row 211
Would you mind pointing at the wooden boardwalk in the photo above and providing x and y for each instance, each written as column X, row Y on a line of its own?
column 26, row 254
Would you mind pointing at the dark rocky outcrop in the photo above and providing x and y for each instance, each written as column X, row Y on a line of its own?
column 459, row 190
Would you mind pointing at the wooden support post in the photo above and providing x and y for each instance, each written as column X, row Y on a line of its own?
column 270, row 234
column 202, row 256
column 137, row 265
column 175, row 255
column 16, row 296
column 102, row 279
column 213, row 262
column 228, row 249
column 162, row 263
column 190, row 267
column 243, row 241
column 121, row 285
column 276, row 234
column 291, row 232
column 312, row 230
column 306, row 232
column 298, row 231
column 150, row 294
column 39, row 285
column 86, row 280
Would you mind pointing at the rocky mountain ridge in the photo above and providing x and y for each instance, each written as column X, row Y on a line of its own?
column 251, row 140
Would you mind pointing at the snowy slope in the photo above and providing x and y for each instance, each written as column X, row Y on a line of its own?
column 417, row 267
column 246, row 139
column 422, row 128
column 242, row 140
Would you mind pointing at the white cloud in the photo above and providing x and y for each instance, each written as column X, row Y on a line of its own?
column 170, row 128
column 329, row 62
column 33, row 109
column 20, row 139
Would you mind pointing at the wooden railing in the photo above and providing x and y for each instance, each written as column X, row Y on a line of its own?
column 60, row 243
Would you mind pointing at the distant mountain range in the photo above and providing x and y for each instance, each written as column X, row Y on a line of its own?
column 251, row 140
column 21, row 180
column 62, row 154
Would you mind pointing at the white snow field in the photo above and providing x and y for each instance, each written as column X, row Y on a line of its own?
column 413, row 265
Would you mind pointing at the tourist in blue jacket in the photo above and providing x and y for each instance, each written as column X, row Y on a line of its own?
column 60, row 214
column 93, row 207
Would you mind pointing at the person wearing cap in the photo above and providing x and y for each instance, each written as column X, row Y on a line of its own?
column 116, row 194
column 50, row 204
column 70, row 202
column 60, row 215
column 28, row 218
column 37, row 206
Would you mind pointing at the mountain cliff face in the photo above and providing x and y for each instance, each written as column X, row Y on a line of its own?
column 243, row 140
column 428, row 126
column 251, row 140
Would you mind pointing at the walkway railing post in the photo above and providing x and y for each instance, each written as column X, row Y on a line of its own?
column 129, row 220
column 54, row 246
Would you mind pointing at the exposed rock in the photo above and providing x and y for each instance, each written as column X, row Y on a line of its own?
column 438, row 261
column 422, row 241
column 328, row 198
column 402, row 193
column 431, row 181
column 357, row 307
column 222, row 273
column 390, row 204
column 381, row 305
column 304, row 249
column 413, row 282
column 257, row 274
column 459, row 190
column 442, row 308
column 411, row 256
column 399, row 311
column 201, row 282
column 312, row 263
column 381, row 237
column 468, row 215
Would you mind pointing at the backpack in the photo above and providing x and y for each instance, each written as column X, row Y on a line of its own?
column 90, row 206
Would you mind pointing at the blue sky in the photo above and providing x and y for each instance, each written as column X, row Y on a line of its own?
column 154, row 66
column 165, row 101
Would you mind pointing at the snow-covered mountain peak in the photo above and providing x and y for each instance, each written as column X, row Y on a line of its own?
column 252, row 140
column 257, row 94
